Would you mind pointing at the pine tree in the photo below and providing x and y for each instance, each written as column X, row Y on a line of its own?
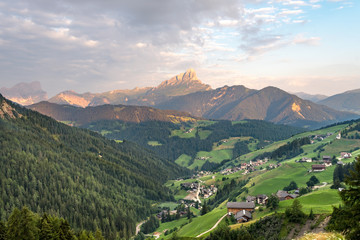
column 22, row 225
column 65, row 231
column 351, row 198
column 3, row 230
column 46, row 231
column 188, row 212
column 311, row 215
column 98, row 235
column 13, row 225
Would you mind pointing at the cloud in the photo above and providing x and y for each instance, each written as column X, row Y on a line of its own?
column 101, row 45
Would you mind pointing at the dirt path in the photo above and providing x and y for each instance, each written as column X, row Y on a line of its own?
column 138, row 227
column 217, row 223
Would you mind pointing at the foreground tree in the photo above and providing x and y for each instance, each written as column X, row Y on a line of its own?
column 347, row 218
column 294, row 213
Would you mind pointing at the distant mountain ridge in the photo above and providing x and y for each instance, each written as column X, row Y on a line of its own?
column 181, row 84
column 347, row 101
column 25, row 93
column 124, row 113
column 311, row 97
column 270, row 104
column 185, row 92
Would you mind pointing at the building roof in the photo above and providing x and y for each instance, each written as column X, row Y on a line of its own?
column 263, row 196
column 243, row 213
column 318, row 166
column 240, row 205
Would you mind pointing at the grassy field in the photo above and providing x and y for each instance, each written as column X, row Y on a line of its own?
column 278, row 178
column 183, row 133
column 202, row 223
column 183, row 160
column 154, row 143
column 321, row 201
column 213, row 156
column 203, row 134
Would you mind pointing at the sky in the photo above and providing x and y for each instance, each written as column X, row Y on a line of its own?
column 307, row 46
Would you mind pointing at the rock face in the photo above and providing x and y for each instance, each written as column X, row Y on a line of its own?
column 181, row 84
column 25, row 93
column 6, row 110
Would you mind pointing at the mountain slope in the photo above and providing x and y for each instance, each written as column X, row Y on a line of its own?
column 124, row 113
column 181, row 84
column 25, row 93
column 347, row 101
column 311, row 97
column 77, row 174
column 270, row 104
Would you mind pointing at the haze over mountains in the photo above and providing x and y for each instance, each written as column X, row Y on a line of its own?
column 186, row 93
column 25, row 93
column 181, row 84
column 347, row 101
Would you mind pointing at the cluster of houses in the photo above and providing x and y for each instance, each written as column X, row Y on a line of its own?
column 325, row 162
column 204, row 191
column 207, row 192
column 228, row 171
column 242, row 211
column 247, row 167
column 321, row 137
column 202, row 158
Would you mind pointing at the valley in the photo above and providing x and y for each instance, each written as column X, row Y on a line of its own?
column 263, row 180
column 225, row 161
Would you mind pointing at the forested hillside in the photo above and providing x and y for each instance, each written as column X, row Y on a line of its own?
column 77, row 174
column 173, row 140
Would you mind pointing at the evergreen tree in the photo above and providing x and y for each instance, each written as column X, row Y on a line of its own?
column 65, row 232
column 351, row 198
column 311, row 215
column 46, row 231
column 204, row 209
column 13, row 225
column 294, row 212
column 3, row 230
column 22, row 225
column 314, row 179
column 188, row 212
column 272, row 203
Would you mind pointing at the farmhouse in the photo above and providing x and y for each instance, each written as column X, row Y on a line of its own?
column 327, row 163
column 250, row 199
column 261, row 199
column 318, row 167
column 284, row 195
column 235, row 207
column 326, row 158
column 345, row 155
column 243, row 216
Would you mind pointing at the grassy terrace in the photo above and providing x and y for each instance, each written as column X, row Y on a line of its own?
column 321, row 201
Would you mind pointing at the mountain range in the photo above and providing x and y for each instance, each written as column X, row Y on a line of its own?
column 186, row 93
column 181, row 84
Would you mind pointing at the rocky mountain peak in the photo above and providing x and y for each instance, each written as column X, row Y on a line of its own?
column 25, row 93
